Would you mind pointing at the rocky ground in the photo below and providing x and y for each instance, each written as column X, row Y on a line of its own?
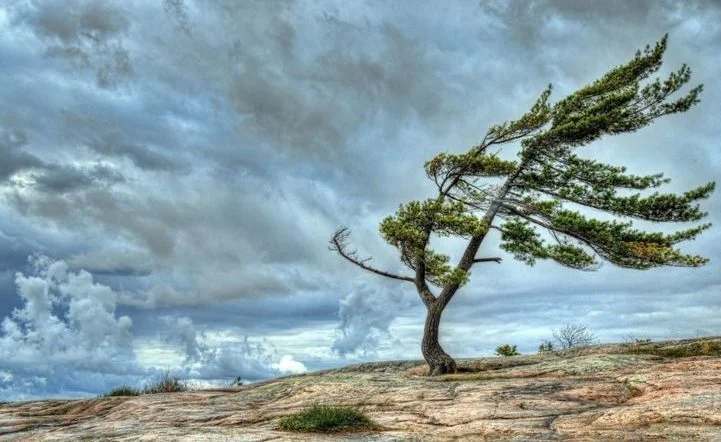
column 645, row 391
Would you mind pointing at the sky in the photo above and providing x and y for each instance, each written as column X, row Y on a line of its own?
column 171, row 172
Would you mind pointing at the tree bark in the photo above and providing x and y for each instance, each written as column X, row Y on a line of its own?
column 438, row 360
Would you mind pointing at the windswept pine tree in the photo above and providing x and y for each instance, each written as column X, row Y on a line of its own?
column 542, row 191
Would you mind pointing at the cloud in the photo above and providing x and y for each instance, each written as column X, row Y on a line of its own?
column 251, row 360
column 67, row 339
column 67, row 322
column 88, row 33
column 23, row 170
column 177, row 9
column 120, row 260
column 143, row 157
column 195, row 156
column 14, row 158
column 366, row 315
column 288, row 365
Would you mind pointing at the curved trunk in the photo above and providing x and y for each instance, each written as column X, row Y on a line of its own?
column 438, row 360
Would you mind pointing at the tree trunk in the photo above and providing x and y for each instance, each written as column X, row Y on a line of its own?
column 438, row 360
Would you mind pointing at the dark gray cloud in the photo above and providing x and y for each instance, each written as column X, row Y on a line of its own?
column 142, row 156
column 53, row 178
column 87, row 33
column 64, row 178
column 14, row 158
column 194, row 156
column 76, row 20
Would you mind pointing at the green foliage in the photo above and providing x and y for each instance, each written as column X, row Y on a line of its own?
column 549, row 175
column 545, row 347
column 507, row 350
column 528, row 199
column 539, row 114
column 521, row 239
column 326, row 418
column 122, row 391
column 444, row 166
column 410, row 228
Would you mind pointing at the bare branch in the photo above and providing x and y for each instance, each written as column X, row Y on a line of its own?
column 338, row 243
column 495, row 259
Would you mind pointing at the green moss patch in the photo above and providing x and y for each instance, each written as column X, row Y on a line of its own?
column 684, row 350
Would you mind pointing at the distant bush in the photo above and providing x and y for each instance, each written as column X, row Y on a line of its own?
column 632, row 339
column 326, row 418
column 166, row 384
column 122, row 391
column 545, row 347
column 573, row 336
column 507, row 350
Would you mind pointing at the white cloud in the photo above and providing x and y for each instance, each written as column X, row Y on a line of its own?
column 66, row 319
column 289, row 365
column 366, row 315
column 225, row 357
column 66, row 339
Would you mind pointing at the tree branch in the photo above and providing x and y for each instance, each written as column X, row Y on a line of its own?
column 474, row 244
column 495, row 259
column 338, row 243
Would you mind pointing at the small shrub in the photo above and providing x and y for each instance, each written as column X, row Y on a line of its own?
column 634, row 340
column 166, row 384
column 507, row 350
column 573, row 336
column 122, row 391
column 545, row 347
column 327, row 418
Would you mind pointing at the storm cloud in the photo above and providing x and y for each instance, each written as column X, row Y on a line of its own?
column 183, row 163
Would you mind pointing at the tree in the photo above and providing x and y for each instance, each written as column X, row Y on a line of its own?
column 507, row 350
column 574, row 335
column 478, row 191
column 545, row 347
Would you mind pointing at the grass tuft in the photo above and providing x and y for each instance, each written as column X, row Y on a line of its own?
column 166, row 384
column 328, row 418
column 122, row 391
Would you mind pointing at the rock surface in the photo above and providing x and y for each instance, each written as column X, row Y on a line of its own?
column 612, row 392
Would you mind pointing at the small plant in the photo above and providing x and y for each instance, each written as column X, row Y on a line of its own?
column 327, row 418
column 166, row 384
column 122, row 391
column 507, row 350
column 635, row 340
column 545, row 347
column 574, row 336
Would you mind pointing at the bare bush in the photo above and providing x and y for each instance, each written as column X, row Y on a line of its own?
column 574, row 336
